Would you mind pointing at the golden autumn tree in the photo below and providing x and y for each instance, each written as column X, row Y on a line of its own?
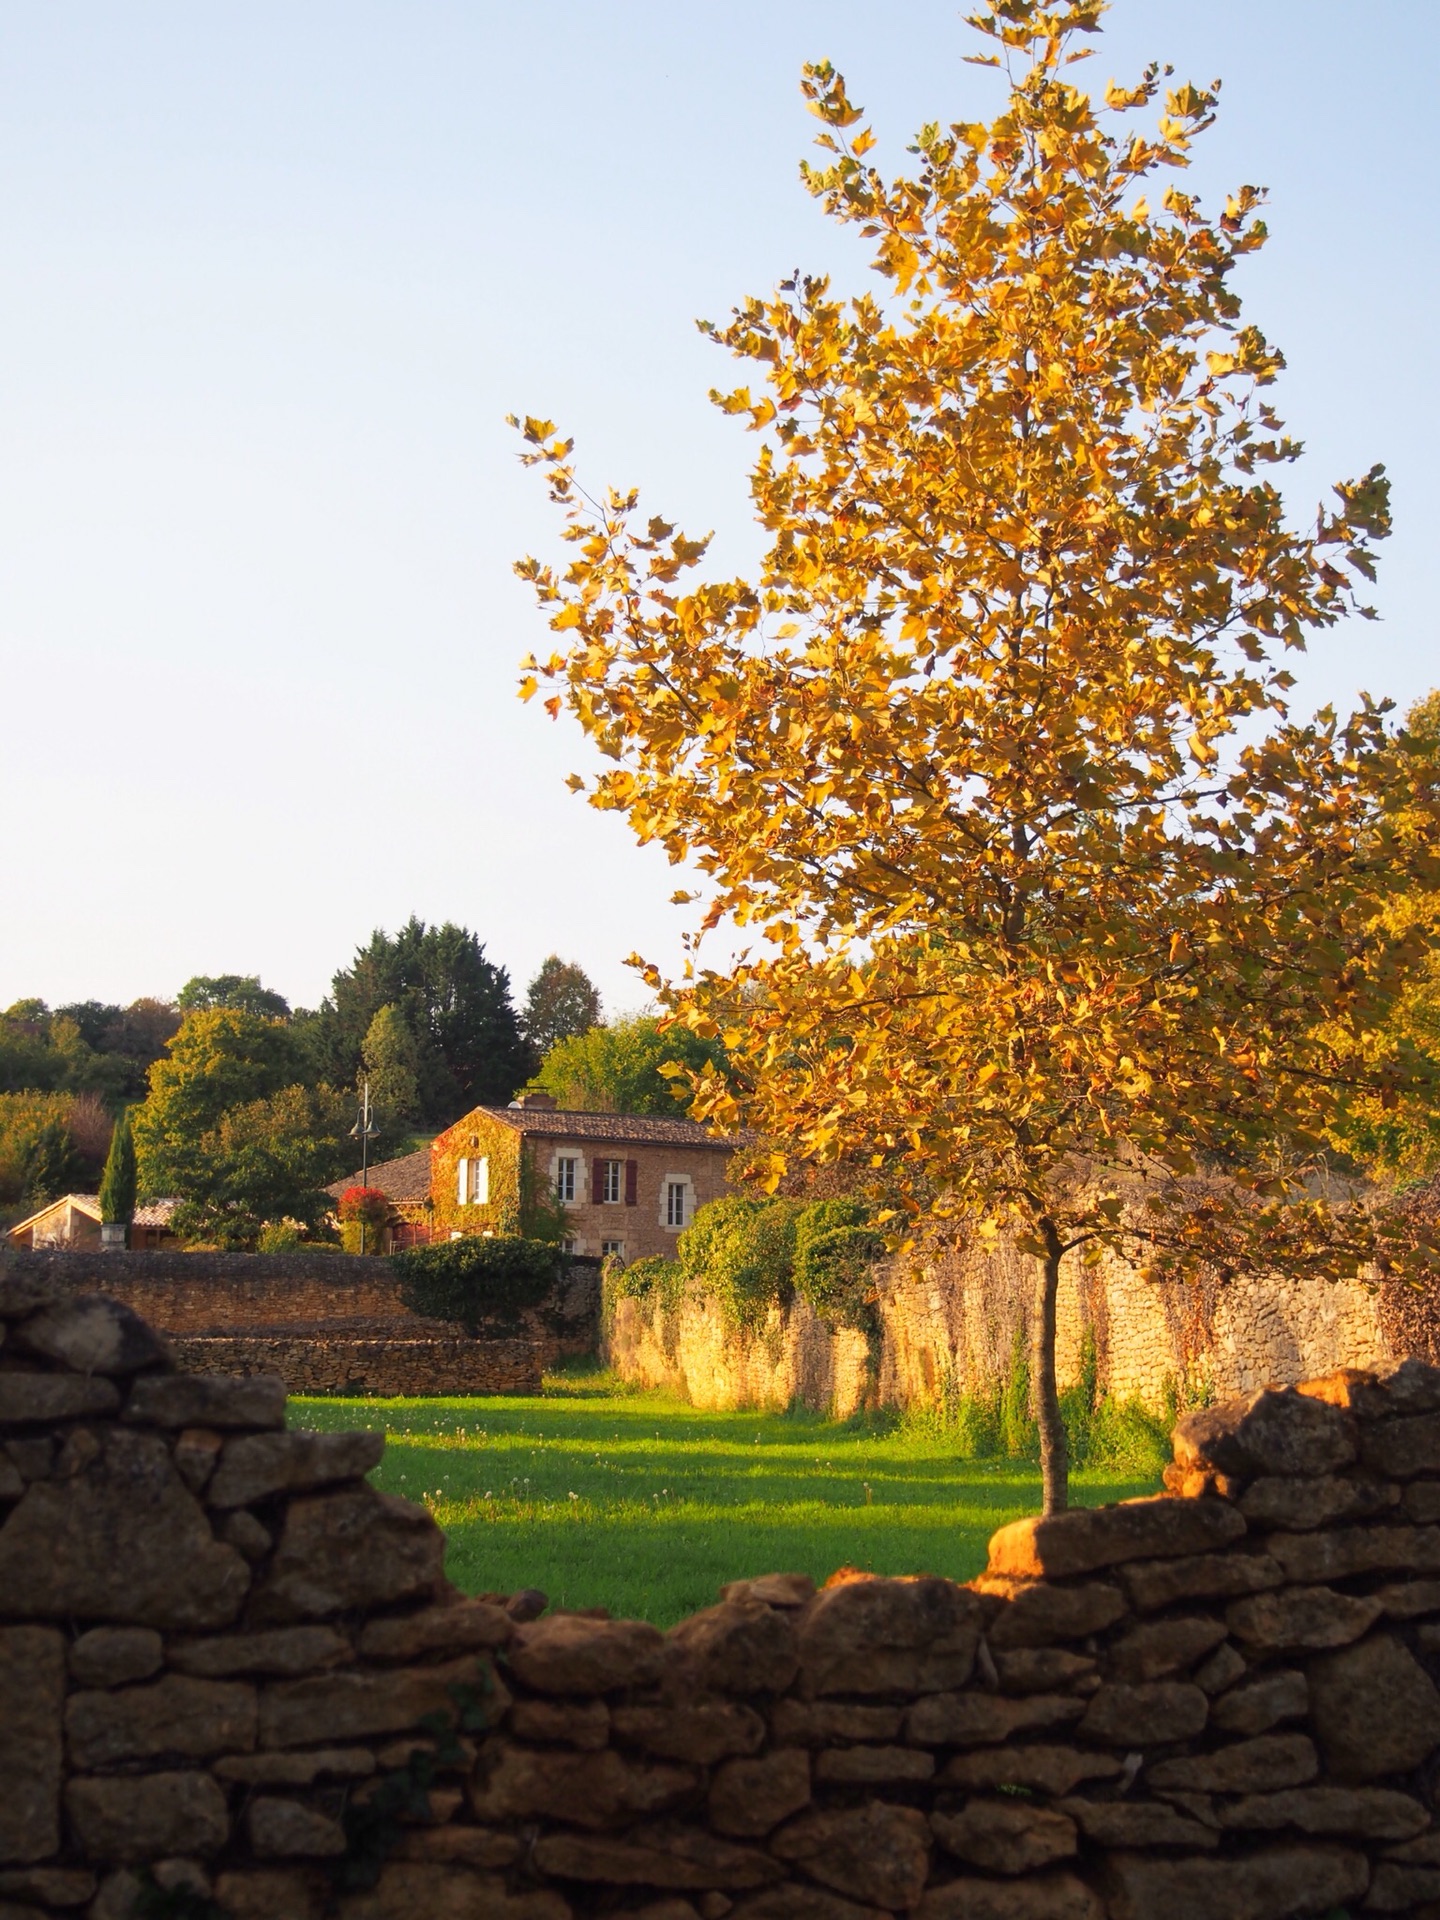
column 1067, row 928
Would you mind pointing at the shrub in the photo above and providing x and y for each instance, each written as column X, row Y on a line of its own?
column 836, row 1249
column 481, row 1283
column 655, row 1279
column 742, row 1253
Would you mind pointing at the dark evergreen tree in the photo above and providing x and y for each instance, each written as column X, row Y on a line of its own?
column 469, row 1051
column 118, row 1182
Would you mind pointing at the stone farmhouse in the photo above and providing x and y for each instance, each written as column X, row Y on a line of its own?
column 72, row 1223
column 629, row 1183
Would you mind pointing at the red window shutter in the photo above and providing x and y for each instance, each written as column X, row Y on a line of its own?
column 632, row 1181
column 597, row 1182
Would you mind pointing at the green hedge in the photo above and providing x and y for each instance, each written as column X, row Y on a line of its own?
column 481, row 1283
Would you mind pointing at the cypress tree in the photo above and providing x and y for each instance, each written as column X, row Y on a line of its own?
column 117, row 1183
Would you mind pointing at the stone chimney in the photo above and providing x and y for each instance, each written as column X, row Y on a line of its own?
column 536, row 1102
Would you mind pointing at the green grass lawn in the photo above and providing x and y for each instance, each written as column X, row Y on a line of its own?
column 602, row 1496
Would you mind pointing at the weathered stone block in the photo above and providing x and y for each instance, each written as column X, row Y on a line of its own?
column 1265, row 1703
column 569, row 1653
column 1362, row 1813
column 873, row 1766
column 1052, row 1770
column 1053, row 1896
column 283, row 1652
column 1273, row 1432
column 411, row 1890
column 1413, row 1387
column 710, row 1730
column 260, row 1464
column 1036, row 1614
column 1301, row 1618
column 1276, row 1884
column 296, row 1769
column 875, row 1852
column 460, row 1846
column 980, row 1719
column 51, row 1886
column 274, row 1893
column 1317, row 1502
column 1006, row 1837
column 338, row 1551
column 35, row 1399
column 564, row 1723
column 1404, row 1447
column 20, row 1295
column 460, row 1628
column 750, row 1797
column 352, row 1706
column 1397, row 1889
column 111, row 1656
column 245, row 1533
column 1137, row 1823
column 132, row 1820
column 795, row 1902
column 173, row 1715
column 663, row 1856
column 32, row 1691
column 1317, row 1557
column 1162, row 1647
column 1040, row 1669
column 122, row 1541
column 91, row 1335
column 1205, row 1576
column 1251, row 1766
column 1089, row 1538
column 196, row 1454
column 287, row 1829
column 1374, row 1709
column 1148, row 1714
column 741, row 1646
column 207, row 1400
column 881, row 1636
column 583, row 1789
column 774, row 1589
column 815, row 1723
column 1224, row 1667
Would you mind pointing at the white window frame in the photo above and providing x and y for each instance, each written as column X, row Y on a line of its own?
column 613, row 1177
column 688, row 1203
column 612, row 1249
column 472, row 1181
column 565, row 1170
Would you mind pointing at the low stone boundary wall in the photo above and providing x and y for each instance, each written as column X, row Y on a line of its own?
column 325, row 1323
column 235, row 1682
column 948, row 1318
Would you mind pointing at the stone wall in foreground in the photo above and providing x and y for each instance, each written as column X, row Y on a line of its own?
column 234, row 1682
column 324, row 1322
column 948, row 1320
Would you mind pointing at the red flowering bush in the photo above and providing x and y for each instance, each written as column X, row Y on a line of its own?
column 367, row 1205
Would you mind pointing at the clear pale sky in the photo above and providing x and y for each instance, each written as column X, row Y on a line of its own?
column 273, row 274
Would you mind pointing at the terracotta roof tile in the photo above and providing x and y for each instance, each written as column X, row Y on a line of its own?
column 642, row 1128
column 406, row 1180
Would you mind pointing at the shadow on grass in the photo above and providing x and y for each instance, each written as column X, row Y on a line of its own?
column 647, row 1506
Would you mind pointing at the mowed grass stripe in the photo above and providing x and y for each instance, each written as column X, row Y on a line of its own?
column 645, row 1505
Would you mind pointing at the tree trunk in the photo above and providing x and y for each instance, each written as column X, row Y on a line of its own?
column 1054, row 1457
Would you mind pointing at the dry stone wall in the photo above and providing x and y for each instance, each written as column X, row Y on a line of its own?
column 235, row 1682
column 948, row 1321
column 325, row 1323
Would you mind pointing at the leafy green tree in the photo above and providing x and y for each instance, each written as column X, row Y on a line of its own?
column 456, row 1002
column 561, row 1002
column 28, row 1063
column 621, row 1068
column 222, row 1058
column 264, row 1162
column 118, row 1182
column 51, row 1166
column 393, row 1061
column 240, row 990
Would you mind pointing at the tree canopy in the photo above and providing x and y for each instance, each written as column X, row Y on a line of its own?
column 560, row 1002
column 242, row 990
column 455, row 1002
column 1062, row 913
column 620, row 1068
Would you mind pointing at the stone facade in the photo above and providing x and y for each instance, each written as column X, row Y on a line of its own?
column 325, row 1323
column 629, row 1183
column 235, row 1683
column 948, row 1322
